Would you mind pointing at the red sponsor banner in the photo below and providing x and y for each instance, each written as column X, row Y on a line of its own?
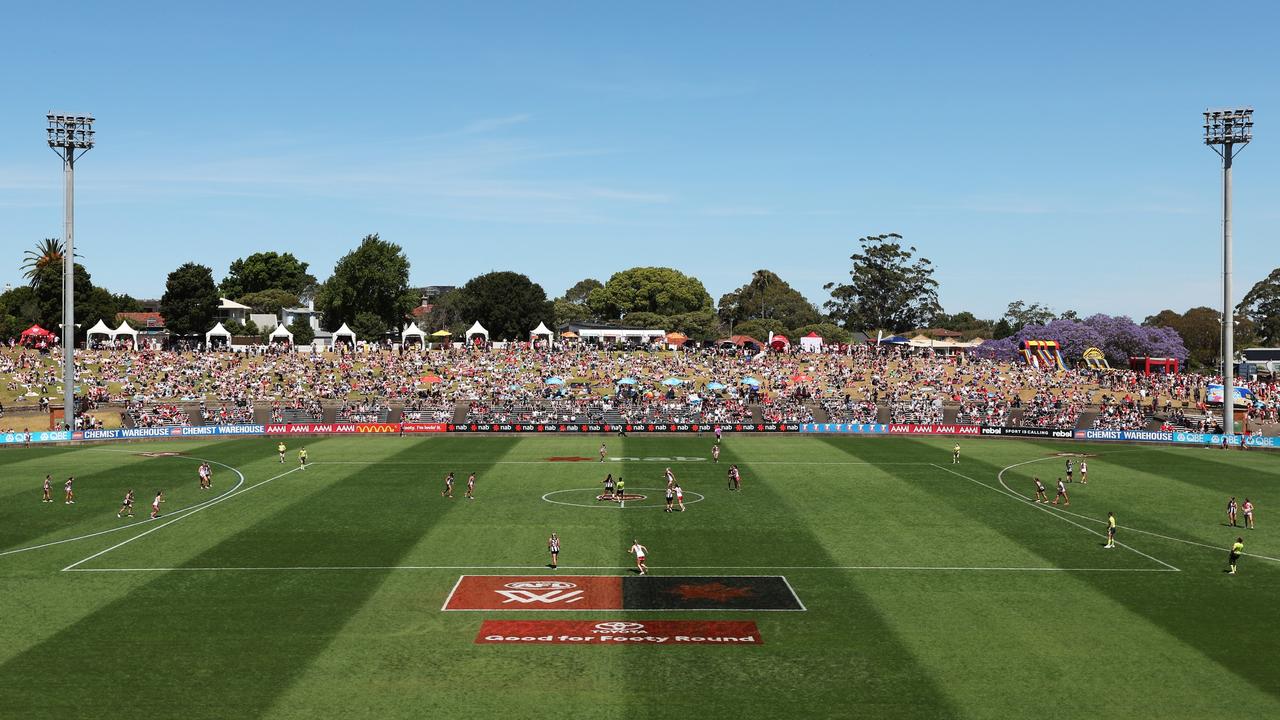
column 310, row 428
column 514, row 592
column 424, row 427
column 377, row 427
column 618, row 632
column 913, row 429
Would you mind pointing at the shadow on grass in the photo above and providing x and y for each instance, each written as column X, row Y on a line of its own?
column 222, row 644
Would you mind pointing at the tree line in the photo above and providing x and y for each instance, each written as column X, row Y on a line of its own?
column 889, row 287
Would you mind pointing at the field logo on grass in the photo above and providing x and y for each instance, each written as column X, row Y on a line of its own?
column 525, row 592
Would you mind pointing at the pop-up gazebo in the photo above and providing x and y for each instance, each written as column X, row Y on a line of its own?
column 219, row 332
column 542, row 331
column 99, row 329
column 413, row 331
column 125, row 330
column 811, row 342
column 477, row 329
column 344, row 332
column 281, row 334
column 35, row 335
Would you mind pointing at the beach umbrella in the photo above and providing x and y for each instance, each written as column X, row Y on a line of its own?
column 627, row 381
column 441, row 333
column 430, row 379
column 673, row 382
column 751, row 381
column 554, row 381
column 716, row 386
column 800, row 378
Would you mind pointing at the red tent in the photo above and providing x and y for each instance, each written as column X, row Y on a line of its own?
column 35, row 334
column 779, row 342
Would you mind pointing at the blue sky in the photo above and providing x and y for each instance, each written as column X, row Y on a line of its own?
column 1050, row 154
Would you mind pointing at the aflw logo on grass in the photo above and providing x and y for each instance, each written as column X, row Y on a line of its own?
column 548, row 592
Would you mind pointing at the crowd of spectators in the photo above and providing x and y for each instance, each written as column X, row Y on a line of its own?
column 585, row 384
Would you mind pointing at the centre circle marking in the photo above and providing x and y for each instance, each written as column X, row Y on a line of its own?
column 690, row 498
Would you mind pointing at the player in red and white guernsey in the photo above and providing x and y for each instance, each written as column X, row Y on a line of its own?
column 640, row 552
column 48, row 489
column 69, row 495
column 155, row 504
column 679, row 496
column 471, row 487
column 1062, row 493
column 735, row 478
column 1084, row 473
column 671, row 477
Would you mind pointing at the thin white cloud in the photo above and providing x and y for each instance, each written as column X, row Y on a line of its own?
column 737, row 211
column 485, row 125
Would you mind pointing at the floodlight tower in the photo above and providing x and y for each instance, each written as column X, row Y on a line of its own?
column 70, row 137
column 1226, row 132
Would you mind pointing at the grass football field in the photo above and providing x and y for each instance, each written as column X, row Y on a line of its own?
column 929, row 590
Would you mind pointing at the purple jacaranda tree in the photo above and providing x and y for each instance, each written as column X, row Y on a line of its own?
column 1118, row 337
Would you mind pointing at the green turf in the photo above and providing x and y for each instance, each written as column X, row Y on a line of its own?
column 882, row 539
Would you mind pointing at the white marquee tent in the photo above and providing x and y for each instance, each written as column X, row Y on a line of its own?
column 98, row 330
column 542, row 331
column 477, row 329
column 281, row 333
column 811, row 342
column 124, row 330
column 344, row 332
column 413, row 331
column 218, row 331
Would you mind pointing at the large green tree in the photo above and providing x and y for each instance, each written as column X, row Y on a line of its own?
column 1261, row 306
column 267, row 271
column 699, row 325
column 889, row 288
column 968, row 324
column 572, row 307
column 92, row 303
column 190, row 301
column 658, row 290
column 270, row 301
column 19, row 308
column 508, row 304
column 1019, row 314
column 768, row 297
column 1200, row 329
column 373, row 278
column 829, row 332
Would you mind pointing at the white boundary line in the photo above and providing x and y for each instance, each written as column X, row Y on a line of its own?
column 553, row 573
column 1038, row 506
column 1000, row 478
column 211, row 503
column 794, row 594
column 451, row 592
column 144, row 520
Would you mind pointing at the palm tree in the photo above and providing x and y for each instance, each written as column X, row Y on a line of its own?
column 48, row 252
